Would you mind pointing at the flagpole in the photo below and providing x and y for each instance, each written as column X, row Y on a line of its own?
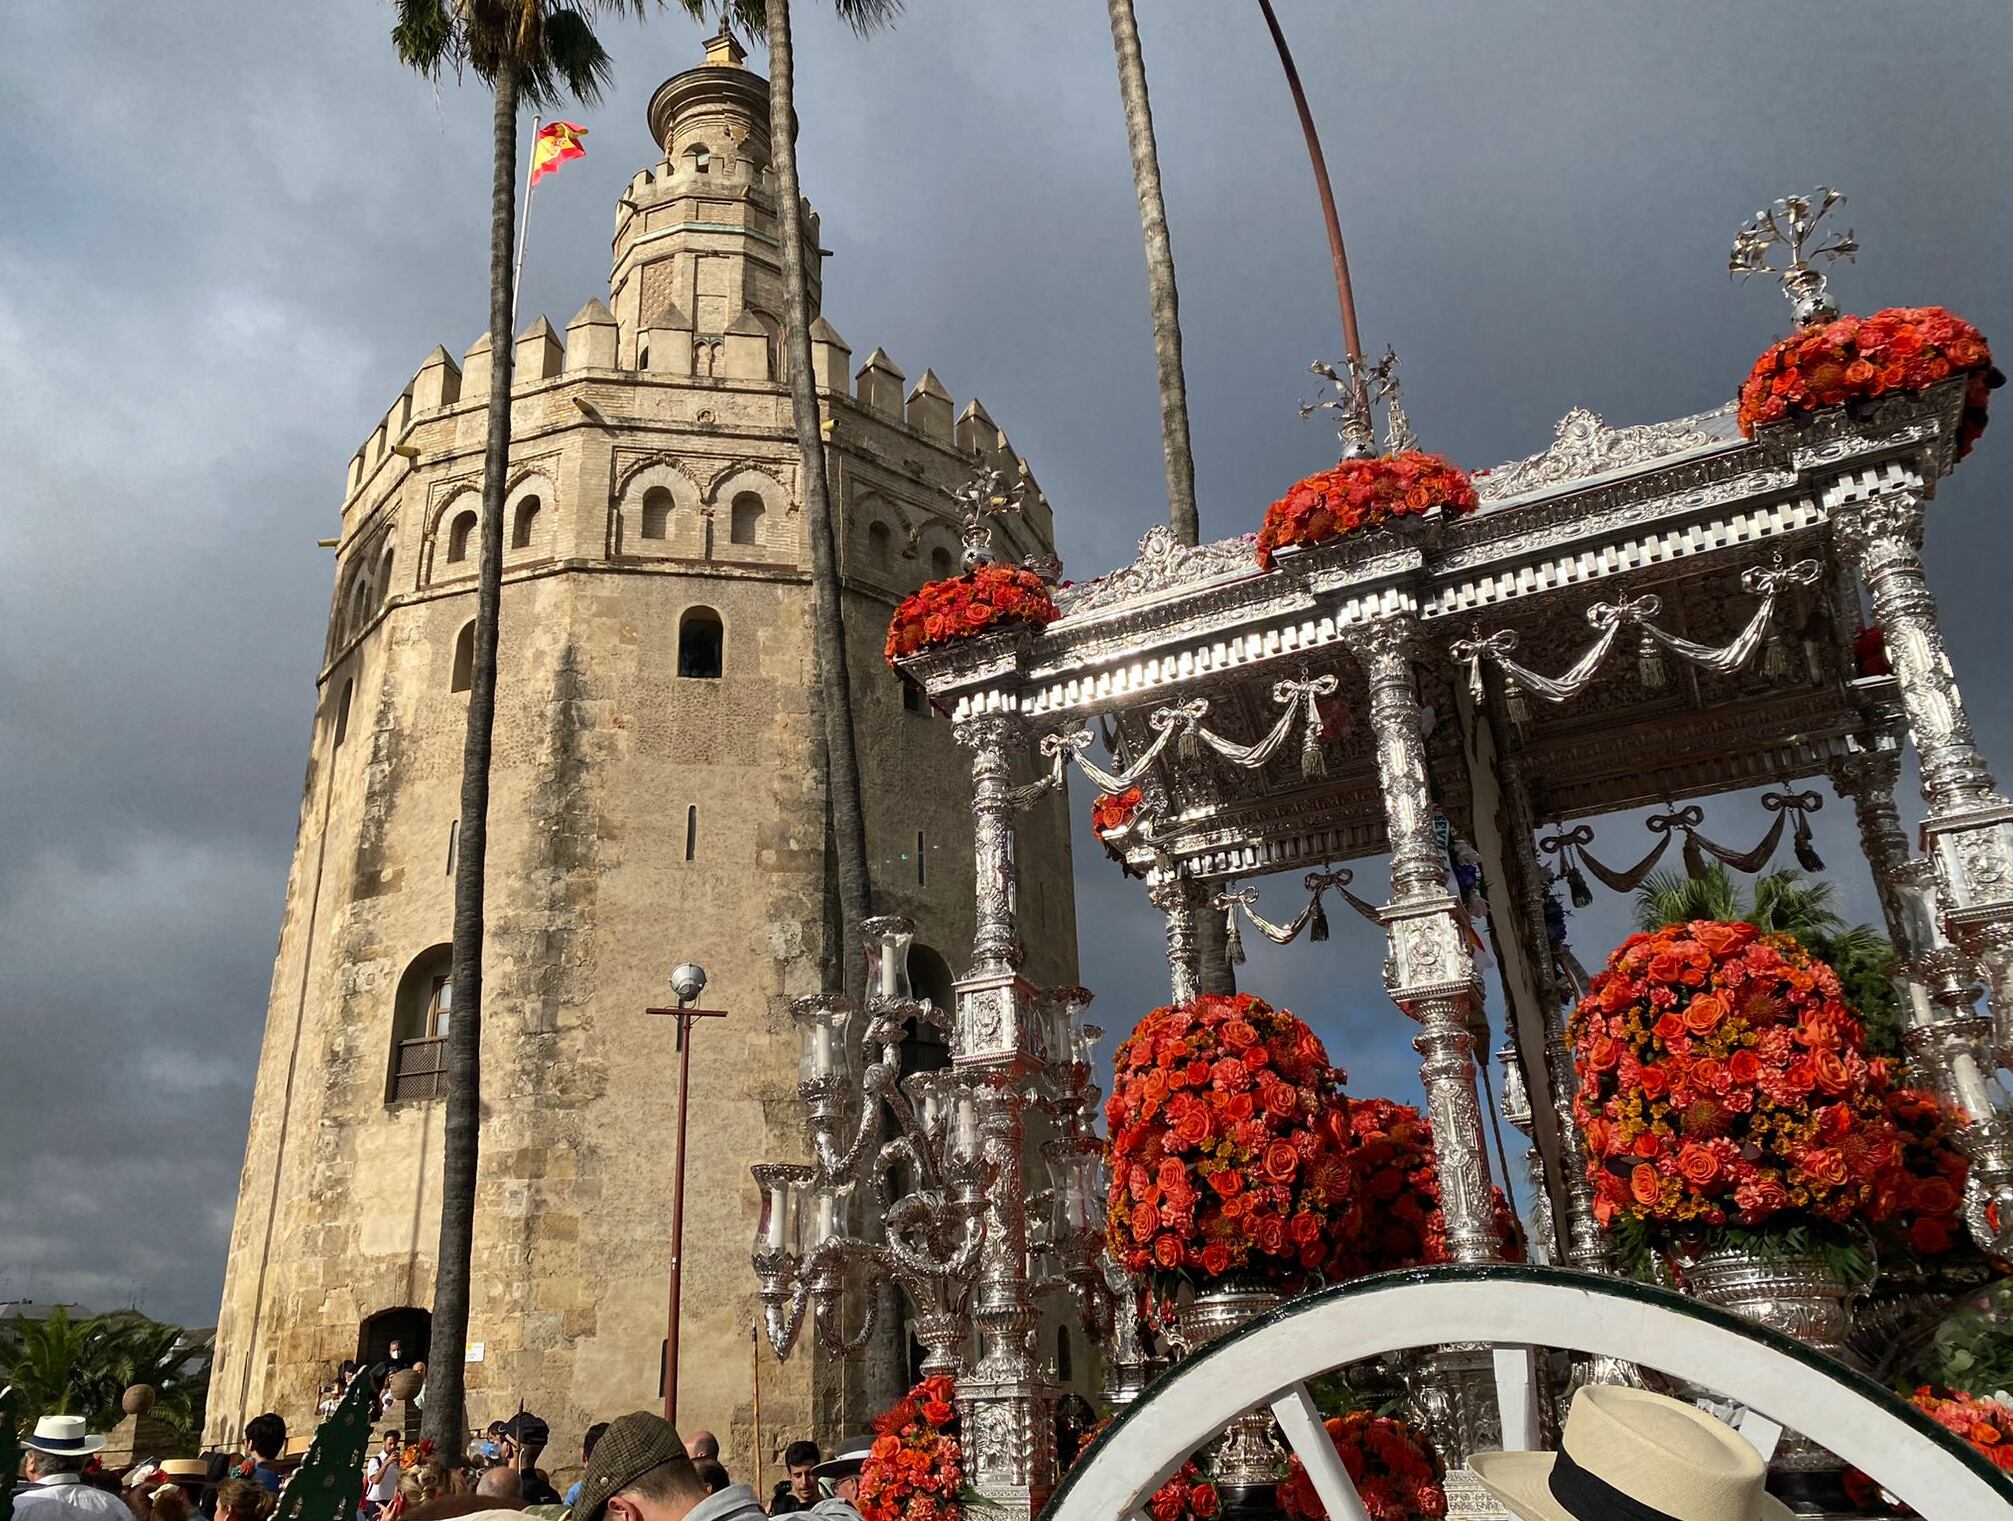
column 524, row 224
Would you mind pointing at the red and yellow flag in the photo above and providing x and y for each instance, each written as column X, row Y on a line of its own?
column 556, row 143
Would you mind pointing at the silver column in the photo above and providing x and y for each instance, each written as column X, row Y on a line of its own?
column 1429, row 972
column 1179, row 899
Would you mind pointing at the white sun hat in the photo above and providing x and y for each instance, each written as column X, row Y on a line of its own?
column 63, row 1435
column 1630, row 1454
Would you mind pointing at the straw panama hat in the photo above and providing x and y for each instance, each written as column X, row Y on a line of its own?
column 1634, row 1456
column 63, row 1435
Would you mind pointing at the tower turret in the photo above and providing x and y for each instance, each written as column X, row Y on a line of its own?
column 699, row 233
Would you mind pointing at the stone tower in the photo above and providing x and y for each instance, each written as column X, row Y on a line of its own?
column 656, row 798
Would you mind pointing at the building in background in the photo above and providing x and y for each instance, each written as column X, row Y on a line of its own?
column 655, row 798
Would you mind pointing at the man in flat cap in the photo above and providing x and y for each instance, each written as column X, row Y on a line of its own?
column 640, row 1471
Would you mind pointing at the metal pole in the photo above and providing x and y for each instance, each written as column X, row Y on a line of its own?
column 524, row 226
column 677, row 1222
column 755, row 1355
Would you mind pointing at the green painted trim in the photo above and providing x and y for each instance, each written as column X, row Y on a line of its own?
column 1590, row 1283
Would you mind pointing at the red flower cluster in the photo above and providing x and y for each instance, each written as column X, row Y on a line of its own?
column 993, row 596
column 1921, row 1199
column 915, row 1467
column 1398, row 1188
column 1114, row 810
column 1869, row 652
column 1986, row 1424
column 1905, row 348
column 1722, row 1077
column 1227, row 1144
column 1393, row 1469
column 1185, row 1497
column 1361, row 493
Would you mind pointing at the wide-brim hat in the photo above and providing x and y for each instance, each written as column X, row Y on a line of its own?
column 1630, row 1452
column 63, row 1435
column 184, row 1470
column 844, row 1463
column 631, row 1446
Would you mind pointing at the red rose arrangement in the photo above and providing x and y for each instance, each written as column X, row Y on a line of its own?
column 993, row 596
column 1869, row 652
column 1920, row 1201
column 1185, row 1497
column 1986, row 1424
column 1361, row 493
column 1227, row 1148
column 1905, row 348
column 1722, row 1080
column 1396, row 1474
column 915, row 1468
column 1398, row 1190
column 1114, row 810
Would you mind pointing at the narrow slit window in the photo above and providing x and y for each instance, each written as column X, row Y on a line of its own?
column 463, row 675
column 342, row 711
column 692, row 832
column 453, row 843
column 922, row 862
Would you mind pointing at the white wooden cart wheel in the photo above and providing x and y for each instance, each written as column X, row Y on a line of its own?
column 1782, row 1383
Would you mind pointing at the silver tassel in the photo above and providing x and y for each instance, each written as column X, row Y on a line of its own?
column 1187, row 747
column 1515, row 703
column 1775, row 658
column 1233, row 941
column 1475, row 688
column 1317, row 922
column 1313, row 763
column 1806, row 849
column 1694, row 857
column 1650, row 662
column 1576, row 884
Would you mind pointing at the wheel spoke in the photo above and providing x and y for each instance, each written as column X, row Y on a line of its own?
column 1760, row 1431
column 1517, row 1398
column 1301, row 1424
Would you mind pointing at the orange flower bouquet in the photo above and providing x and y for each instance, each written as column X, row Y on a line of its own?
column 1905, row 348
column 1986, row 1424
column 1114, row 810
column 1398, row 1190
column 1918, row 1207
column 1188, row 1496
column 1394, row 1470
column 1362, row 493
column 1227, row 1149
column 1723, row 1085
column 991, row 597
column 915, row 1468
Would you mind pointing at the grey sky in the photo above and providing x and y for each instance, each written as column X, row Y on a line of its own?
column 228, row 234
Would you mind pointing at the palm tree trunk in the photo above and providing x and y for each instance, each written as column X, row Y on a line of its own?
column 462, row 1140
column 828, row 632
column 1182, row 515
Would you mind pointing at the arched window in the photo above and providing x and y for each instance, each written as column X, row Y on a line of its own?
column 642, row 356
column 342, row 710
column 930, row 977
column 384, row 576
column 940, row 564
column 656, row 512
column 912, row 696
column 458, row 535
column 700, row 158
column 464, row 659
column 702, row 644
column 421, row 1016
column 525, row 524
column 744, row 524
column 880, row 546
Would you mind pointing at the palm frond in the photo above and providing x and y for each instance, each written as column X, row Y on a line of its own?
column 426, row 38
column 865, row 16
column 571, row 61
column 1671, row 897
column 1787, row 902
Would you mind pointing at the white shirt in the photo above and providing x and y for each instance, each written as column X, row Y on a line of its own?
column 382, row 1477
column 66, row 1497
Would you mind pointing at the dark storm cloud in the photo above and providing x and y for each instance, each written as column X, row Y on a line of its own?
column 226, row 245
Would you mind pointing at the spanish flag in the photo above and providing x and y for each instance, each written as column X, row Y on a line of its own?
column 556, row 143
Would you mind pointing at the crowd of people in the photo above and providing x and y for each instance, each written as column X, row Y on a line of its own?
column 636, row 1468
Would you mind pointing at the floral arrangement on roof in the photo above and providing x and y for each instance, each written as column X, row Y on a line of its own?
column 1987, row 1424
column 1188, row 1496
column 1398, row 1191
column 1723, row 1086
column 962, row 607
column 1363, row 493
column 1226, row 1150
column 1112, row 811
column 1850, row 359
column 914, row 1469
column 1396, row 1473
column 1919, row 1205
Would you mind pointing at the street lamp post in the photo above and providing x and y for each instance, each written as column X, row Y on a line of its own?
column 687, row 983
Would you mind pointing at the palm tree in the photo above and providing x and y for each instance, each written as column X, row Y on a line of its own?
column 1786, row 902
column 84, row 1367
column 537, row 52
column 771, row 19
column 1183, row 516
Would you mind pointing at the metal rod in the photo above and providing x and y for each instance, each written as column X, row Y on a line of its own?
column 755, row 1355
column 1344, row 293
column 684, row 1017
column 524, row 226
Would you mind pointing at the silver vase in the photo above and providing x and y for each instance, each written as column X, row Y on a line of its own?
column 1247, row 1457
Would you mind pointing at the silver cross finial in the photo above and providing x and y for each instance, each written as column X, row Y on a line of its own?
column 1357, row 392
column 1790, row 224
